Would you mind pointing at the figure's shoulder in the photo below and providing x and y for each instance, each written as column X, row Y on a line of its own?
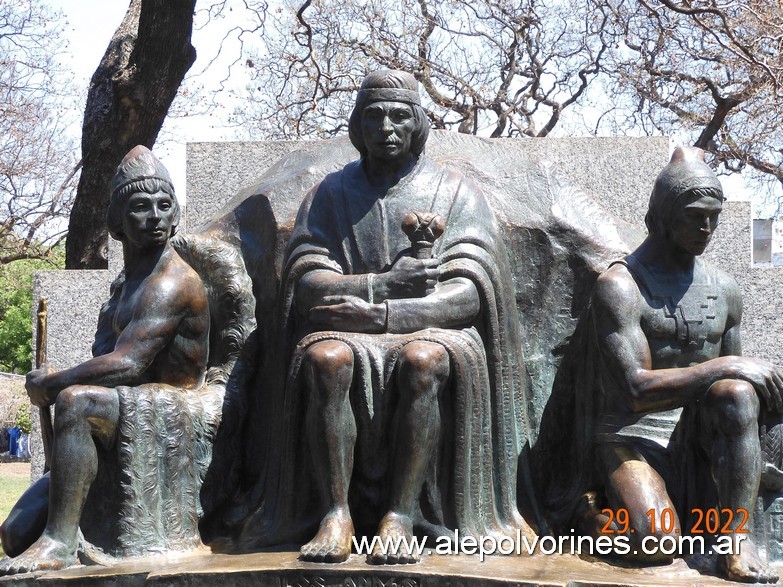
column 175, row 284
column 724, row 283
column 463, row 193
column 334, row 179
column 332, row 184
column 616, row 288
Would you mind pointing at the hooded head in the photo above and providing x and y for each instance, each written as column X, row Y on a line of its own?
column 686, row 174
column 139, row 171
column 389, row 85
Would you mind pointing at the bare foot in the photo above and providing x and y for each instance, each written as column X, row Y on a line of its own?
column 332, row 543
column 45, row 554
column 590, row 520
column 395, row 535
column 747, row 566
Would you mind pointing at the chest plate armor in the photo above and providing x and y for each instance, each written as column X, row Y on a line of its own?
column 682, row 314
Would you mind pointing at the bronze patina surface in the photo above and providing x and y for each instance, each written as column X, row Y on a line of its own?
column 284, row 569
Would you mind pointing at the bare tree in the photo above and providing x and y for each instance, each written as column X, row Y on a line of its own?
column 710, row 67
column 491, row 66
column 129, row 97
column 38, row 159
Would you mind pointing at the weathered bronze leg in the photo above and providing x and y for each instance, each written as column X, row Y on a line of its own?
column 328, row 371
column 422, row 373
column 730, row 411
column 634, row 486
column 27, row 519
column 82, row 413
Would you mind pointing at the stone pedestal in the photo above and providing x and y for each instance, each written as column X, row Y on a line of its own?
column 282, row 569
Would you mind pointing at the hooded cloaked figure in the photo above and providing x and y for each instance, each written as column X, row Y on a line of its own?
column 349, row 226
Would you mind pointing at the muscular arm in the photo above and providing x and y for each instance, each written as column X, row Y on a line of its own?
column 730, row 343
column 158, row 311
column 617, row 311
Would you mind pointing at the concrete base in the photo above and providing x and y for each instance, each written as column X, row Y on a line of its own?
column 282, row 569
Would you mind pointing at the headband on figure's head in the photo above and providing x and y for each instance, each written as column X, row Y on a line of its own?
column 687, row 172
column 389, row 85
column 139, row 171
column 138, row 165
column 370, row 95
column 140, row 178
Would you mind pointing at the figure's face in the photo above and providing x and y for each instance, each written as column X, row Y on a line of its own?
column 387, row 129
column 147, row 218
column 694, row 224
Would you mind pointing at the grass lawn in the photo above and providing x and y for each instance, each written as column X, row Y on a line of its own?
column 11, row 487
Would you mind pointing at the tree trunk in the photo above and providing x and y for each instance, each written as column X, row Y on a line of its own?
column 129, row 96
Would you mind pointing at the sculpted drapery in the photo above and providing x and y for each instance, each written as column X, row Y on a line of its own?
column 345, row 225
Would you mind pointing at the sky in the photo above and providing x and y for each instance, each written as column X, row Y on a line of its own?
column 91, row 24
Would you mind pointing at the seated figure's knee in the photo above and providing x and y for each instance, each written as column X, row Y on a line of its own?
column 732, row 406
column 424, row 363
column 96, row 408
column 14, row 536
column 10, row 538
column 327, row 359
column 6, row 538
column 71, row 403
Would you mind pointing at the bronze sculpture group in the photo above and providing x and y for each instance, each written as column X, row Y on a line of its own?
column 404, row 390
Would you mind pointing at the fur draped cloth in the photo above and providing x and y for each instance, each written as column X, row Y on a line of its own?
column 164, row 446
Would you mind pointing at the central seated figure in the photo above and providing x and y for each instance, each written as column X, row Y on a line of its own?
column 407, row 359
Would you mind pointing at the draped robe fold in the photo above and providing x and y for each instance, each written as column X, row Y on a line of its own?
column 348, row 226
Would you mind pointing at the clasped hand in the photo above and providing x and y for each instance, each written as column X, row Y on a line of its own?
column 408, row 278
column 36, row 388
column 766, row 378
column 349, row 314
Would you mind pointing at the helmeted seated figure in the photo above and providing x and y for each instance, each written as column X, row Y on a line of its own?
column 407, row 365
column 676, row 406
column 146, row 396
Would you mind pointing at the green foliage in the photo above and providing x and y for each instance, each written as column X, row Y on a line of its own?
column 23, row 418
column 15, row 337
column 16, row 301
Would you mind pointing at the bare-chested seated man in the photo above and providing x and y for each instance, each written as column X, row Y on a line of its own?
column 157, row 332
column 404, row 409
column 667, row 328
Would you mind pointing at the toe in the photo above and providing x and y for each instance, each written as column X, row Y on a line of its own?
column 307, row 552
column 375, row 558
column 331, row 555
